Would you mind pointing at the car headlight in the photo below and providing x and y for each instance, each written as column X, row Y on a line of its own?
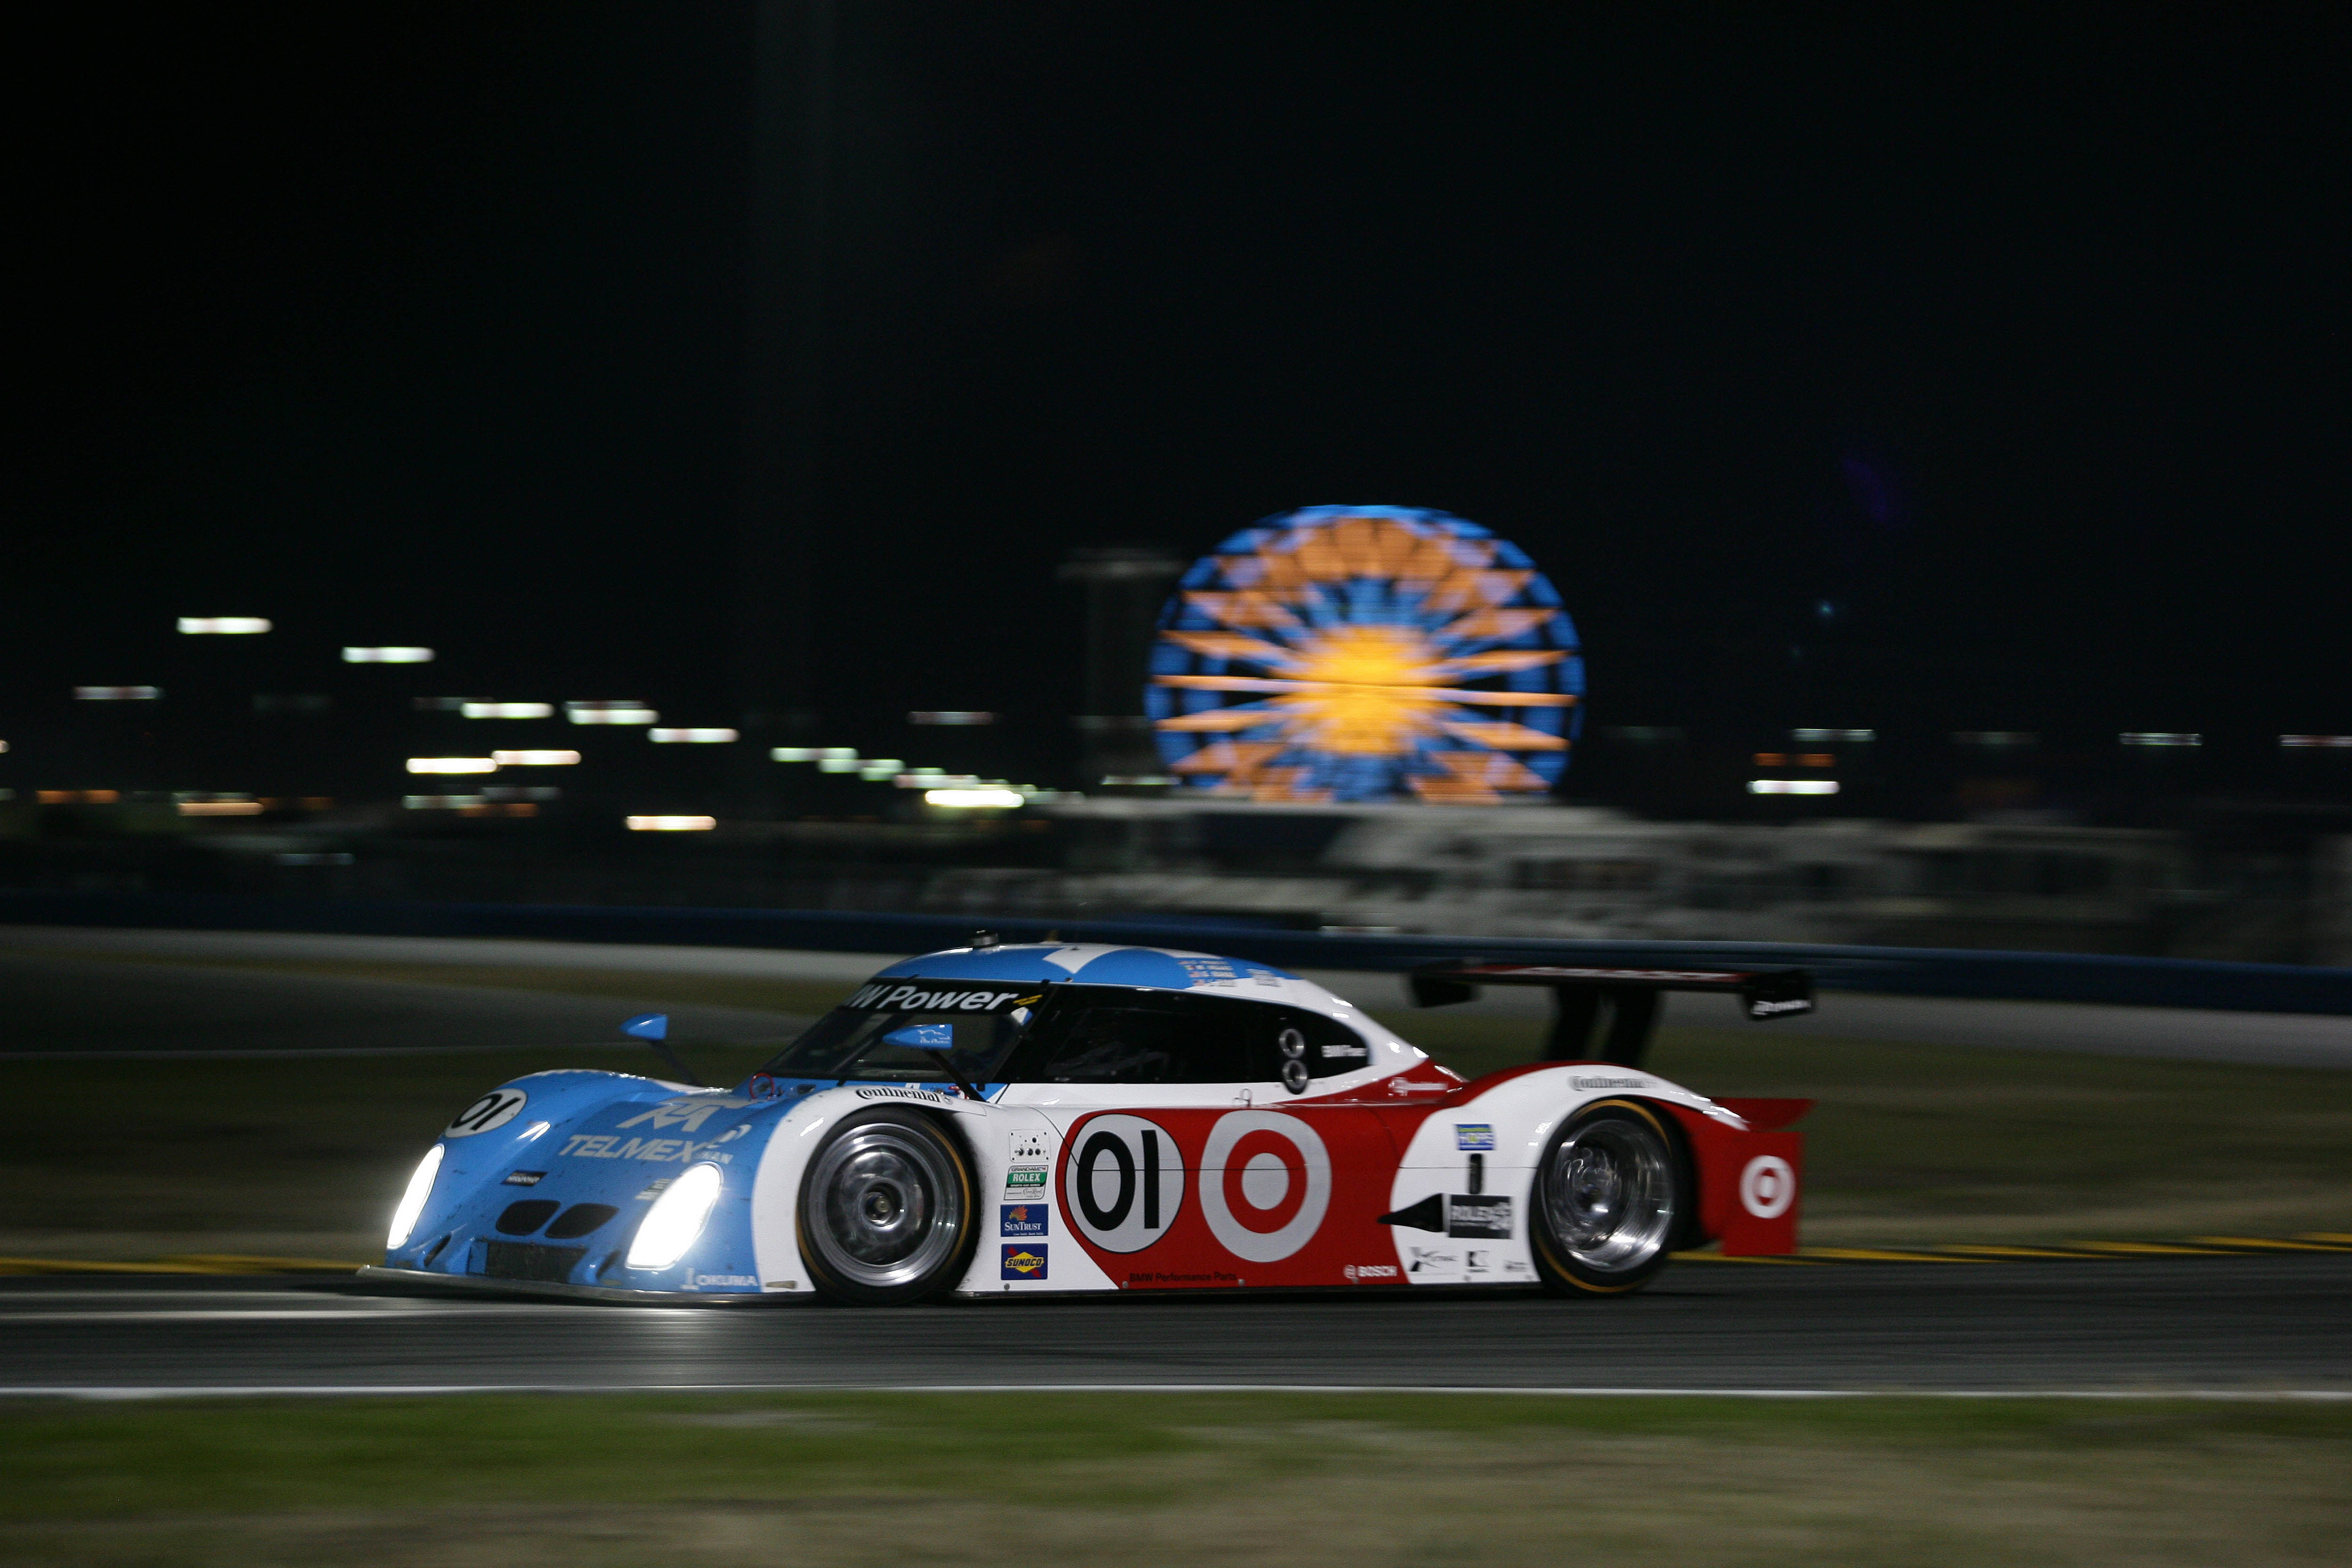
column 676, row 1218
column 412, row 1201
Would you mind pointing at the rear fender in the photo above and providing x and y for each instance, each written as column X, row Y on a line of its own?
column 1750, row 1177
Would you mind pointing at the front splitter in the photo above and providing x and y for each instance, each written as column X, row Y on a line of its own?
column 482, row 1284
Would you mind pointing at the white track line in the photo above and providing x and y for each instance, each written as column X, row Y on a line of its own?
column 248, row 1391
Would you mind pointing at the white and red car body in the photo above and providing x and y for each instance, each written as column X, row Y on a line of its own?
column 1395, row 1174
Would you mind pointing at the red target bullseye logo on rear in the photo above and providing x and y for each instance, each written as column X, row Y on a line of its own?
column 1266, row 1181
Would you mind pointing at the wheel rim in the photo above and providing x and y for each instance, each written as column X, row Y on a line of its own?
column 1608, row 1196
column 889, row 1206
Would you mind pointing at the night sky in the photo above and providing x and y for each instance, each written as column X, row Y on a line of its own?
column 1842, row 367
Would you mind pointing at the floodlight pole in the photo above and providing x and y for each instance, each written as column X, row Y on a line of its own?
column 781, row 502
column 1124, row 587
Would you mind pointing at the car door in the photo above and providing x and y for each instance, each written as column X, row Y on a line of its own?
column 1193, row 1153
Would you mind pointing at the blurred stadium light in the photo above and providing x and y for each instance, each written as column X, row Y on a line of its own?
column 616, row 712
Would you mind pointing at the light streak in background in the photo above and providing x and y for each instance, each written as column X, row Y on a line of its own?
column 609, row 713
column 1997, row 738
column 2158, row 738
column 1856, row 735
column 506, row 709
column 535, row 759
column 1366, row 653
column 974, row 799
column 118, row 694
column 952, row 717
column 222, row 626
column 2292, row 741
column 1792, row 786
column 387, row 656
column 439, row 802
column 453, row 766
column 691, row 737
column 220, row 808
column 672, row 824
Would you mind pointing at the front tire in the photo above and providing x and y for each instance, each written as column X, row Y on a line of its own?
column 886, row 1210
column 1608, row 1201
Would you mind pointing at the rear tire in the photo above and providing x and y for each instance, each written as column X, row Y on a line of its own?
column 1608, row 1201
column 886, row 1210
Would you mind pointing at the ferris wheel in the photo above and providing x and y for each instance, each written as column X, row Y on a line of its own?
column 1359, row 653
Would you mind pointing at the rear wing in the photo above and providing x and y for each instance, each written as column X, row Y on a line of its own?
column 1630, row 996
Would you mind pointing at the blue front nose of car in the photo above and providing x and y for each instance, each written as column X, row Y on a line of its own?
column 558, row 1192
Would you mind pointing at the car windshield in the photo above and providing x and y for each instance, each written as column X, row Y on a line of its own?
column 851, row 1041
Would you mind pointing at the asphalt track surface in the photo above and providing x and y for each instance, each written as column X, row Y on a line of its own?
column 58, row 1004
column 2209, row 1324
column 2240, row 1324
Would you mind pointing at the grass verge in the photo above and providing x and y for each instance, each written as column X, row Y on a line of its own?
column 1371, row 1478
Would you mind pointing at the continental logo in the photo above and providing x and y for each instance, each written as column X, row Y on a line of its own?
column 1609, row 1082
column 927, row 1096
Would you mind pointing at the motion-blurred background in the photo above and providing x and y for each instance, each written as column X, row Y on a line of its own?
column 1942, row 410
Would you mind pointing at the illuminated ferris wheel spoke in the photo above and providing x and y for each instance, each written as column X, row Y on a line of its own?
column 1361, row 642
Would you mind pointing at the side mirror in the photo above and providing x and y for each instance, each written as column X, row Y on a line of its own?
column 654, row 1029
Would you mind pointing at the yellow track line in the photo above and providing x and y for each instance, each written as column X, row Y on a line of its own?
column 1957, row 1252
column 2149, row 1248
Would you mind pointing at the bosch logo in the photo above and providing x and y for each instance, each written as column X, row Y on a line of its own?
column 1767, row 1186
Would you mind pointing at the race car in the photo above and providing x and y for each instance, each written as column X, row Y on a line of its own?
column 1049, row 1118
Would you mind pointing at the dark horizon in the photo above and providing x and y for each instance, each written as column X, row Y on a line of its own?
column 1841, row 368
